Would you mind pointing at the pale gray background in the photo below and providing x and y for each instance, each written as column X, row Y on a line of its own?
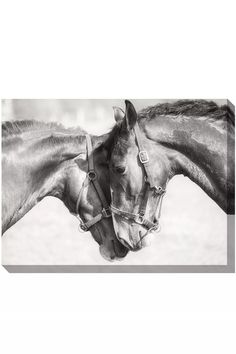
column 194, row 228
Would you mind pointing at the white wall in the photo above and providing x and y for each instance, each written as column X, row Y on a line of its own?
column 101, row 49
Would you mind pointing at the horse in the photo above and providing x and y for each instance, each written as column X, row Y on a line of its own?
column 45, row 159
column 146, row 150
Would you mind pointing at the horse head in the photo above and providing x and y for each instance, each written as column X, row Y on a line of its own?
column 87, row 195
column 137, row 180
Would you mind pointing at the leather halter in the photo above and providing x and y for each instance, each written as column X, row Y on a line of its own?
column 92, row 178
column 159, row 192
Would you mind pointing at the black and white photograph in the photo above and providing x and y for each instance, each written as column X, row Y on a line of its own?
column 117, row 177
column 118, row 183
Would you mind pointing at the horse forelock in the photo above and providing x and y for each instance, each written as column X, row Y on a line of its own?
column 116, row 141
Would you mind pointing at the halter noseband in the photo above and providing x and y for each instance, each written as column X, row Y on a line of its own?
column 92, row 178
column 139, row 218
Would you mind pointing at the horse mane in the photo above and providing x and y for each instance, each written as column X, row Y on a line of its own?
column 190, row 108
column 17, row 127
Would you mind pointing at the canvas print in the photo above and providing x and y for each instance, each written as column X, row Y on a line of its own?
column 118, row 185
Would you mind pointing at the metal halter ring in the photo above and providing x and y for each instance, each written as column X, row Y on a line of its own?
column 106, row 213
column 83, row 227
column 156, row 228
column 159, row 190
column 92, row 175
column 139, row 219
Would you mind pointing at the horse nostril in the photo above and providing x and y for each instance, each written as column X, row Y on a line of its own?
column 155, row 220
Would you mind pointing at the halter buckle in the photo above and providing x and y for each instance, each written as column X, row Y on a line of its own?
column 92, row 175
column 106, row 212
column 143, row 156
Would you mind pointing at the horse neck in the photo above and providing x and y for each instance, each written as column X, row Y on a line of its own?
column 33, row 168
column 198, row 149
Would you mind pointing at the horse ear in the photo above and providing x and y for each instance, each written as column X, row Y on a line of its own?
column 119, row 114
column 130, row 115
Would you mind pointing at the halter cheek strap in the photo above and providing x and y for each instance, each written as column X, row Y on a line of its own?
column 159, row 192
column 143, row 157
column 91, row 177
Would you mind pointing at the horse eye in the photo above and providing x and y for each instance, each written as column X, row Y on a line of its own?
column 120, row 169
